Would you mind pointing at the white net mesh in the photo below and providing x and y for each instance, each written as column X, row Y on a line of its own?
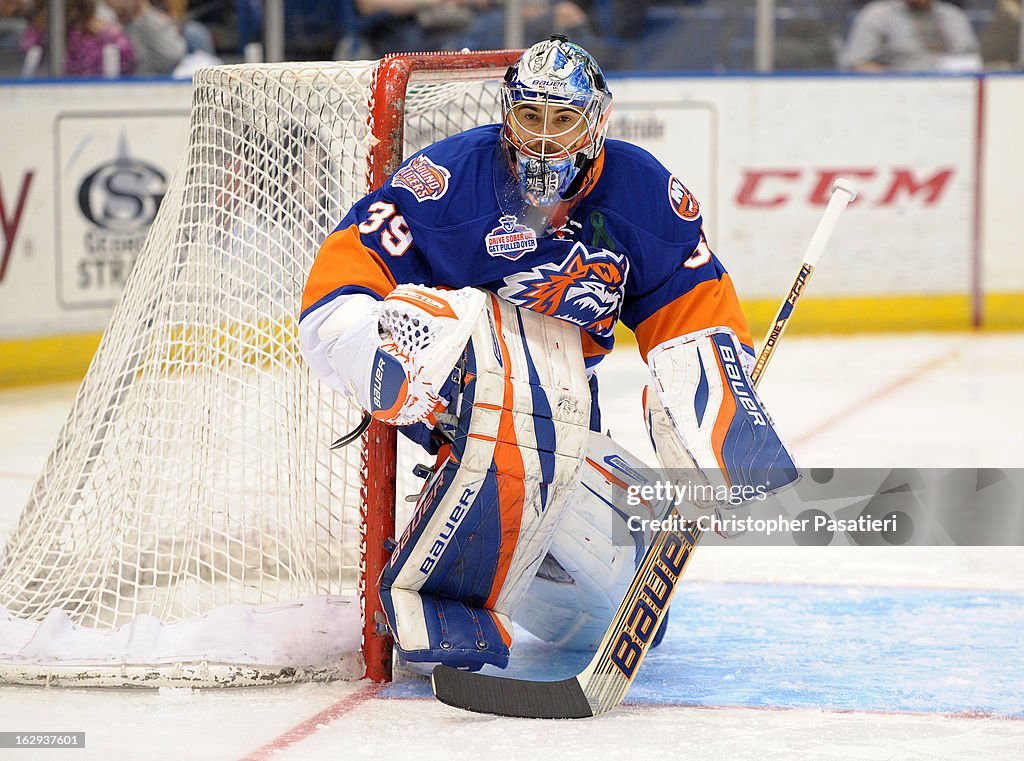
column 194, row 471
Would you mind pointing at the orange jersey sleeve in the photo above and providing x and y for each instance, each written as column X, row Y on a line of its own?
column 710, row 303
column 345, row 265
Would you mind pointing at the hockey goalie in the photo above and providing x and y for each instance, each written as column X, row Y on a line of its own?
column 469, row 301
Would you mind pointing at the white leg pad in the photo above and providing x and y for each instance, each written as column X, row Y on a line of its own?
column 593, row 556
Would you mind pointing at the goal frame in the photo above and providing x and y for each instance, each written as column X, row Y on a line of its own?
column 277, row 155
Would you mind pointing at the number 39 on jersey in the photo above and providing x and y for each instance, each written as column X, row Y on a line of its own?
column 395, row 236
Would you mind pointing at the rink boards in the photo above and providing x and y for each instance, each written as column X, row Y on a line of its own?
column 932, row 243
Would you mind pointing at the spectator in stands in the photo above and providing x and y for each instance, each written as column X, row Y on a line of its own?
column 198, row 37
column 1000, row 41
column 13, row 22
column 540, row 19
column 13, row 8
column 87, row 35
column 155, row 36
column 403, row 26
column 27, row 9
column 148, row 21
column 911, row 35
column 392, row 26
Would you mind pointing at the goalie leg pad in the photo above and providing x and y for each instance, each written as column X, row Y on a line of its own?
column 455, row 633
column 486, row 518
column 595, row 553
column 708, row 419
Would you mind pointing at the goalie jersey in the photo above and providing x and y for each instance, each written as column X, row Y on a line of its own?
column 632, row 250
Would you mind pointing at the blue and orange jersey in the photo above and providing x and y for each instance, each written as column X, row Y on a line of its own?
column 633, row 249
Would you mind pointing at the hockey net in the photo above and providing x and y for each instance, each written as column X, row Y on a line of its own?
column 192, row 525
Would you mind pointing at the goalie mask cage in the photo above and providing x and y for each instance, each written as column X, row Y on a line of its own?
column 192, row 525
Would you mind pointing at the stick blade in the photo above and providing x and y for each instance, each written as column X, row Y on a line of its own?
column 483, row 693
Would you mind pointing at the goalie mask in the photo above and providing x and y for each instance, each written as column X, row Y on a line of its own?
column 555, row 107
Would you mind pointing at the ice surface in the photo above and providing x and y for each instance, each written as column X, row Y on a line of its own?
column 773, row 653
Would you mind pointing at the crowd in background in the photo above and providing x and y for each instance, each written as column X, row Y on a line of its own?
column 110, row 37
column 173, row 37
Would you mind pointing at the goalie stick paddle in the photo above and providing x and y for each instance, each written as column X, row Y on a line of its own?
column 603, row 684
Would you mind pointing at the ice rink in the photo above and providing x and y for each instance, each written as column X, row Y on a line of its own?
column 821, row 653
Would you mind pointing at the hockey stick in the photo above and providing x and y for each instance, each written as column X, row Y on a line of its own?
column 843, row 193
column 603, row 684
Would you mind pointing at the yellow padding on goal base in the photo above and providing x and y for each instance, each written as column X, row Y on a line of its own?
column 37, row 360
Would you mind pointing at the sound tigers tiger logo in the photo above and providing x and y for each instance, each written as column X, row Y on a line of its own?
column 586, row 289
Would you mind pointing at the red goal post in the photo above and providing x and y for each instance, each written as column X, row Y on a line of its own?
column 389, row 96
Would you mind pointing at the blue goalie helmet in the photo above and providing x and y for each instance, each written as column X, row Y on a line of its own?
column 555, row 108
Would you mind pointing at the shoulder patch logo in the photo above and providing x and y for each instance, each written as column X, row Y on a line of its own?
column 510, row 239
column 586, row 289
column 423, row 178
column 683, row 202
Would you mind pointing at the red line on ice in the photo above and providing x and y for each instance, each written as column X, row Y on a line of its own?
column 304, row 729
column 904, row 380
